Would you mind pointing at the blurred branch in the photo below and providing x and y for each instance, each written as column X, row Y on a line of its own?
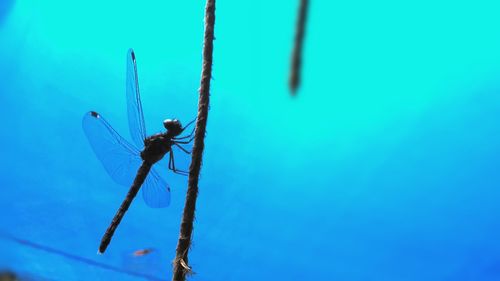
column 294, row 81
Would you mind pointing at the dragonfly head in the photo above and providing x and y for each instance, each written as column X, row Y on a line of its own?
column 174, row 126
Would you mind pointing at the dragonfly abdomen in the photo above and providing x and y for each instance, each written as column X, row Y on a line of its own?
column 142, row 173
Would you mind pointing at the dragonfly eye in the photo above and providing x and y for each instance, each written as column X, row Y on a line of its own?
column 172, row 125
column 167, row 123
column 177, row 123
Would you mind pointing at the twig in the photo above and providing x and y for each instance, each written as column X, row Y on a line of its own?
column 294, row 81
column 181, row 267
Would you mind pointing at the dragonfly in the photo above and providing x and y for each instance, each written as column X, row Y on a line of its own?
column 124, row 162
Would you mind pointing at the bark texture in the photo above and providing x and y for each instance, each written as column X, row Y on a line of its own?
column 181, row 267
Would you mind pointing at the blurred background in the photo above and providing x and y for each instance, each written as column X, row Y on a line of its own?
column 383, row 167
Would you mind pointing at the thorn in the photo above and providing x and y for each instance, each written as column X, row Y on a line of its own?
column 184, row 265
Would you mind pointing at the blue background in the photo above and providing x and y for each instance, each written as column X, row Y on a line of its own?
column 384, row 167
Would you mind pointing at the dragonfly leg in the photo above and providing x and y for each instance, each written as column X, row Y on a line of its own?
column 171, row 165
column 182, row 148
column 189, row 124
column 190, row 134
column 185, row 137
column 170, row 160
column 184, row 142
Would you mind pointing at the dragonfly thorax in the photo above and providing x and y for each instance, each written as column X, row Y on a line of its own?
column 155, row 147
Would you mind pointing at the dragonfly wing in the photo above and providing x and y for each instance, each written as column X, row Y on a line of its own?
column 120, row 158
column 156, row 191
column 134, row 106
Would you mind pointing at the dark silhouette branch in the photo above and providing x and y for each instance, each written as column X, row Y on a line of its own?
column 294, row 81
column 181, row 267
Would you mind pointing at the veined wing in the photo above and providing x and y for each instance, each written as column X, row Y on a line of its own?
column 120, row 158
column 156, row 191
column 134, row 106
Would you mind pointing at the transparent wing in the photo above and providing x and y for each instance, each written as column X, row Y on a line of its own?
column 155, row 191
column 120, row 158
column 134, row 106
